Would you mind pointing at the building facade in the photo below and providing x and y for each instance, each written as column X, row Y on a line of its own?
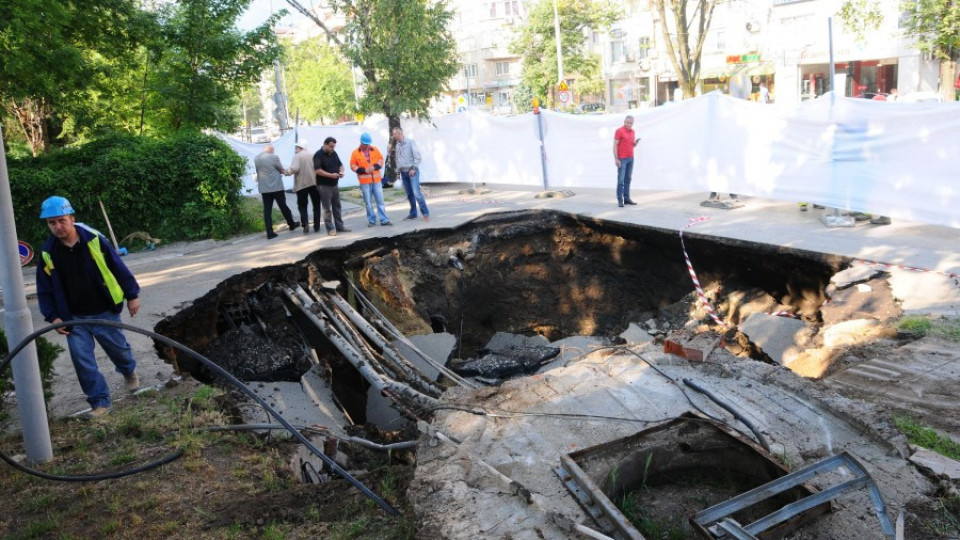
column 775, row 49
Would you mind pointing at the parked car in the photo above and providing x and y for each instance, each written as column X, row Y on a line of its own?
column 877, row 96
column 586, row 108
column 921, row 97
column 259, row 135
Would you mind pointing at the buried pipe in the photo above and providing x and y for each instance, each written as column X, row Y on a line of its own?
column 389, row 328
column 362, row 364
column 389, row 352
column 403, row 445
column 729, row 408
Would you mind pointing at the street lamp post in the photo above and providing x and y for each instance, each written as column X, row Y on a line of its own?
column 19, row 324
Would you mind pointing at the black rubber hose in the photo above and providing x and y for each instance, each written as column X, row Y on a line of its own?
column 220, row 371
column 729, row 408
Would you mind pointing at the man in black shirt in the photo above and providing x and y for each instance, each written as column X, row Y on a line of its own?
column 329, row 171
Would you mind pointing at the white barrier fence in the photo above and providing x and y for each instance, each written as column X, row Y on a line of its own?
column 890, row 158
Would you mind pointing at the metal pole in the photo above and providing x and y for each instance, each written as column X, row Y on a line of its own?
column 543, row 151
column 833, row 88
column 19, row 324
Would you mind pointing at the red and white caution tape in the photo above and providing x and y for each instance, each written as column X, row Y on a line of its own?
column 887, row 266
column 693, row 275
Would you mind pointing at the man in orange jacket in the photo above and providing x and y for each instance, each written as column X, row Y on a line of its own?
column 367, row 162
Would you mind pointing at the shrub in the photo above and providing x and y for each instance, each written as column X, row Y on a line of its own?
column 47, row 353
column 184, row 187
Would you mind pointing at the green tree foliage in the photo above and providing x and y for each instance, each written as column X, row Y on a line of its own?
column 319, row 82
column 404, row 50
column 202, row 63
column 537, row 43
column 860, row 16
column 934, row 26
column 685, row 24
column 186, row 186
column 72, row 71
column 52, row 53
column 47, row 353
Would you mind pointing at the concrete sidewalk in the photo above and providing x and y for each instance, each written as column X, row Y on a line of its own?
column 176, row 274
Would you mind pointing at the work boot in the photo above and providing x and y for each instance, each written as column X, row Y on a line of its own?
column 97, row 412
column 132, row 382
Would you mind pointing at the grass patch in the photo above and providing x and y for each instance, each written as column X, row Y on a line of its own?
column 925, row 436
column 198, row 496
column 924, row 325
column 354, row 195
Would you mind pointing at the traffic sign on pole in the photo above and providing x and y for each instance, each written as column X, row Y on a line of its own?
column 563, row 96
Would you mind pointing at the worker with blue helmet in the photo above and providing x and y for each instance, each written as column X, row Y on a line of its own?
column 81, row 276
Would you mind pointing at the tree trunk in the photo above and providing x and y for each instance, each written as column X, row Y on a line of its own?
column 948, row 76
column 31, row 115
column 390, row 173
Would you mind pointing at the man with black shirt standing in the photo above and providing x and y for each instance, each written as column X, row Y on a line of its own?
column 80, row 276
column 329, row 171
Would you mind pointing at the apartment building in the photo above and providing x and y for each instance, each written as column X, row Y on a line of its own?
column 489, row 73
column 782, row 44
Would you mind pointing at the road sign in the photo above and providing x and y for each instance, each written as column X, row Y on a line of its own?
column 562, row 87
column 26, row 252
column 564, row 96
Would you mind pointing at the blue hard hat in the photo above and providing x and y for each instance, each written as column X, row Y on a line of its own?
column 55, row 207
column 366, row 139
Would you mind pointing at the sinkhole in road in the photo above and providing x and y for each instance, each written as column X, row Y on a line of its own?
column 532, row 273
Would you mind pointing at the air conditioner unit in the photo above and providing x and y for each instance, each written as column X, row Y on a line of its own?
column 645, row 64
column 753, row 27
column 630, row 57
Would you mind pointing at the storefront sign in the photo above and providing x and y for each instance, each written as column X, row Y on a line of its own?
column 743, row 58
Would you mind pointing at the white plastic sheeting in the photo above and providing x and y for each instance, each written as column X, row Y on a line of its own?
column 895, row 159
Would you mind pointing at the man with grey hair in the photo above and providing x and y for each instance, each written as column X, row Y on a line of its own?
column 305, row 184
column 270, row 186
column 408, row 161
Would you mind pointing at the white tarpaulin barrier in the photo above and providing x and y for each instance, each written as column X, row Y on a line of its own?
column 890, row 158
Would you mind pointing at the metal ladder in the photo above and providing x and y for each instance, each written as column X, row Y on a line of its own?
column 718, row 522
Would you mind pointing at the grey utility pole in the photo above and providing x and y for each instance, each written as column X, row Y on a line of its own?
column 19, row 324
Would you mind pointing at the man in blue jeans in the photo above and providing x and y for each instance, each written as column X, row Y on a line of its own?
column 623, row 143
column 80, row 276
column 408, row 161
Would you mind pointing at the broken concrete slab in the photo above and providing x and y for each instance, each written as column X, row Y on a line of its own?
column 572, row 349
column 320, row 392
column 635, row 335
column 293, row 403
column 935, row 464
column 614, row 396
column 855, row 303
column 438, row 347
column 926, row 292
column 382, row 413
column 851, row 332
column 775, row 335
column 503, row 341
column 853, row 275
